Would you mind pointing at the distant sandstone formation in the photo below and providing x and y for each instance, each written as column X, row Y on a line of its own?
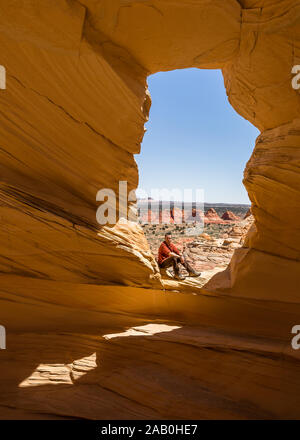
column 211, row 216
column 229, row 215
column 177, row 215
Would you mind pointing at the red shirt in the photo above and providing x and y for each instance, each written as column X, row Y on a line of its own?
column 165, row 250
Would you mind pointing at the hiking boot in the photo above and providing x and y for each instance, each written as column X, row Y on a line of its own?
column 194, row 274
column 179, row 277
column 191, row 271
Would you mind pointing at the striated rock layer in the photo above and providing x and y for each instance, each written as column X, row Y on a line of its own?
column 89, row 324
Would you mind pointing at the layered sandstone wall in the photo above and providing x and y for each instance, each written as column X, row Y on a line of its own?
column 71, row 119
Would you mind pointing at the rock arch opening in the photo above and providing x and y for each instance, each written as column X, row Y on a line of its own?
column 194, row 140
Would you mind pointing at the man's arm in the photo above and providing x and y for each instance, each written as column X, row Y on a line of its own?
column 175, row 250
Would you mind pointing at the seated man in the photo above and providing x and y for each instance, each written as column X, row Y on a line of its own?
column 169, row 255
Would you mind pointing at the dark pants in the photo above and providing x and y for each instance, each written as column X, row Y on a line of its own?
column 174, row 261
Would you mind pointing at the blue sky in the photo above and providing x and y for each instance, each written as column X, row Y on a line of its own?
column 194, row 138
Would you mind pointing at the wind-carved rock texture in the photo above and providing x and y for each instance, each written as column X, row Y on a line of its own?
column 72, row 117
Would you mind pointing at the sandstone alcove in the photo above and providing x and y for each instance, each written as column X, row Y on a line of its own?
column 72, row 118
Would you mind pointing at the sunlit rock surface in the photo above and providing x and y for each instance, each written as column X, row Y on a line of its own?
column 72, row 116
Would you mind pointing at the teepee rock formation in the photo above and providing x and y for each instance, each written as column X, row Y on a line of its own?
column 229, row 215
column 211, row 216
